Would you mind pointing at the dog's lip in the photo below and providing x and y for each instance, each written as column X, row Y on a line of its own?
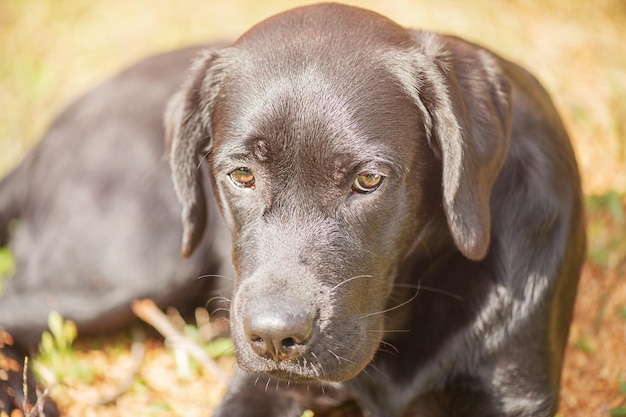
column 288, row 371
column 295, row 373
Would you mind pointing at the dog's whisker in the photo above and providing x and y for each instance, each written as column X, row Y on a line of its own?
column 419, row 287
column 387, row 344
column 219, row 309
column 223, row 302
column 220, row 298
column 350, row 279
column 319, row 368
column 384, row 351
column 222, row 309
column 391, row 308
column 384, row 331
column 373, row 367
column 335, row 355
column 205, row 276
column 204, row 157
column 340, row 358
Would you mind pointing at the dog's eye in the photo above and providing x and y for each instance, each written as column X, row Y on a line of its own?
column 242, row 177
column 367, row 182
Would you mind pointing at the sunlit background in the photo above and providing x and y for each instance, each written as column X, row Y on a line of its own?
column 51, row 51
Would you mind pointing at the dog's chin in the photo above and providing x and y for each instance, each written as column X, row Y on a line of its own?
column 302, row 370
column 284, row 373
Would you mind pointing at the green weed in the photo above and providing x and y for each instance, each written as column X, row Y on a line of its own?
column 621, row 385
column 7, row 266
column 585, row 345
column 606, row 229
column 620, row 411
column 57, row 360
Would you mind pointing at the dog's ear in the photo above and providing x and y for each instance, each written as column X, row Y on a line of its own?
column 188, row 135
column 465, row 99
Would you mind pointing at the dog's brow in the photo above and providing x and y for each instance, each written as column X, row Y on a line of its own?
column 397, row 168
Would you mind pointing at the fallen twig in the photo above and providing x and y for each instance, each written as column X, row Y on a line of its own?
column 137, row 352
column 148, row 311
column 37, row 410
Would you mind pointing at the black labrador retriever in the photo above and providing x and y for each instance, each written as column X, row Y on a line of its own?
column 405, row 212
column 406, row 217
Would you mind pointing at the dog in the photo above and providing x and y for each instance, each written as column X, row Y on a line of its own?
column 406, row 216
column 402, row 208
column 94, row 222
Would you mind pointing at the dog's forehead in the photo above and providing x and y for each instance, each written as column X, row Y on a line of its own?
column 315, row 82
column 319, row 112
column 329, row 24
column 318, row 87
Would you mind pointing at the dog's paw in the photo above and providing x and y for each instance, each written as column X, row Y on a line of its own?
column 13, row 401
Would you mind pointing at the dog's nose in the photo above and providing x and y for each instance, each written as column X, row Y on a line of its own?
column 278, row 332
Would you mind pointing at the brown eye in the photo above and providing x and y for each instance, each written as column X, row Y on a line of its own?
column 366, row 182
column 242, row 177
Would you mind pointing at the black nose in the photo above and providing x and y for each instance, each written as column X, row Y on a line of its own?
column 277, row 331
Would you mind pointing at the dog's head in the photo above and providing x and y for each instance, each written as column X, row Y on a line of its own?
column 334, row 139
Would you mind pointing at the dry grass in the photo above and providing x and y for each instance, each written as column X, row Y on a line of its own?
column 53, row 50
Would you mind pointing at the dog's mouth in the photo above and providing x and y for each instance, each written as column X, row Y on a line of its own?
column 304, row 370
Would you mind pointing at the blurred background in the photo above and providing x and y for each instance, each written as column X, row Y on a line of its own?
column 51, row 51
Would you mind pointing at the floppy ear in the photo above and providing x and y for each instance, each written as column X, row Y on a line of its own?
column 188, row 132
column 466, row 100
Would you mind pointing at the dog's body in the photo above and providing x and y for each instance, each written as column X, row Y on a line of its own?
column 99, row 222
column 405, row 210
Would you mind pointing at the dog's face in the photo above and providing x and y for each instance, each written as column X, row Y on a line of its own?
column 323, row 160
column 314, row 174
